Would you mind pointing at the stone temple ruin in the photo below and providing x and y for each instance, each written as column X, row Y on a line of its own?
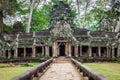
column 61, row 39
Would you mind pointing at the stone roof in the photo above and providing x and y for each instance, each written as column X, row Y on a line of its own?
column 11, row 37
column 112, row 34
column 25, row 44
column 26, row 35
column 42, row 33
column 97, row 34
column 96, row 43
column 80, row 32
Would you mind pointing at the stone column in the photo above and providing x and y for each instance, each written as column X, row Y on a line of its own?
column 76, row 51
column 43, row 50
column 99, row 51
column 118, row 51
column 66, row 49
column 58, row 50
column 54, row 50
column 108, row 52
column 16, row 53
column 9, row 53
column 69, row 51
column 33, row 51
column 113, row 51
column 80, row 50
column 90, row 51
column 47, row 51
column 24, row 52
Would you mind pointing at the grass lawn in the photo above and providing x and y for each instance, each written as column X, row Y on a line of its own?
column 7, row 73
column 109, row 70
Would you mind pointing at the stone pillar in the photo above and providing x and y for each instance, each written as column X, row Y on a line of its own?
column 47, row 51
column 66, row 49
column 99, row 51
column 108, row 52
column 43, row 50
column 76, row 51
column 33, row 51
column 113, row 51
column 69, row 51
column 80, row 50
column 58, row 51
column 118, row 51
column 24, row 52
column 9, row 53
column 54, row 50
column 90, row 51
column 16, row 53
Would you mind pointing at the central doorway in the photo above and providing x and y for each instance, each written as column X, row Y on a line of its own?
column 62, row 50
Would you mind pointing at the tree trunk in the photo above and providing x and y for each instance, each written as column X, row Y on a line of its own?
column 30, row 17
column 117, row 29
column 1, row 21
column 78, row 8
column 86, row 7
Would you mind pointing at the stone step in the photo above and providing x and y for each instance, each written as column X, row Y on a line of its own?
column 61, row 60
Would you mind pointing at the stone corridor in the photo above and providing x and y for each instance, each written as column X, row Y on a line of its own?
column 61, row 69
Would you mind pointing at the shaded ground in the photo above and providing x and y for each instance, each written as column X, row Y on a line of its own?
column 109, row 70
column 8, row 72
column 62, row 70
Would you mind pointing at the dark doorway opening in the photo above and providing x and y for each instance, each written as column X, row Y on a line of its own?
column 20, row 52
column 29, row 52
column 94, row 51
column 12, row 53
column 50, row 51
column 38, row 51
column 6, row 54
column 85, row 50
column 62, row 50
column 72, row 50
column 115, row 52
column 103, row 51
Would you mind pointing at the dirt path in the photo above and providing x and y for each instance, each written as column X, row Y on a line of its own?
column 61, row 71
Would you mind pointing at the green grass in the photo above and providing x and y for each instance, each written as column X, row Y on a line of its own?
column 109, row 70
column 9, row 72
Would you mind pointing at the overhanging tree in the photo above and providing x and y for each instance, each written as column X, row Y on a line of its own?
column 7, row 7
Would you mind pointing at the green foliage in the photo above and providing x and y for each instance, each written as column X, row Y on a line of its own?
column 7, row 29
column 8, row 7
column 39, row 20
column 55, row 1
column 41, row 16
column 97, row 17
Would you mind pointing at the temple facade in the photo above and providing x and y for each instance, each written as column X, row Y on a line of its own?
column 62, row 39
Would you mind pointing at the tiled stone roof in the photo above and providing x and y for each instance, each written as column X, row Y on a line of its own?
column 97, row 34
column 26, row 35
column 80, row 31
column 11, row 37
column 43, row 33
column 111, row 34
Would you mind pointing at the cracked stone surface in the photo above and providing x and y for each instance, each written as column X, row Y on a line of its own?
column 61, row 71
